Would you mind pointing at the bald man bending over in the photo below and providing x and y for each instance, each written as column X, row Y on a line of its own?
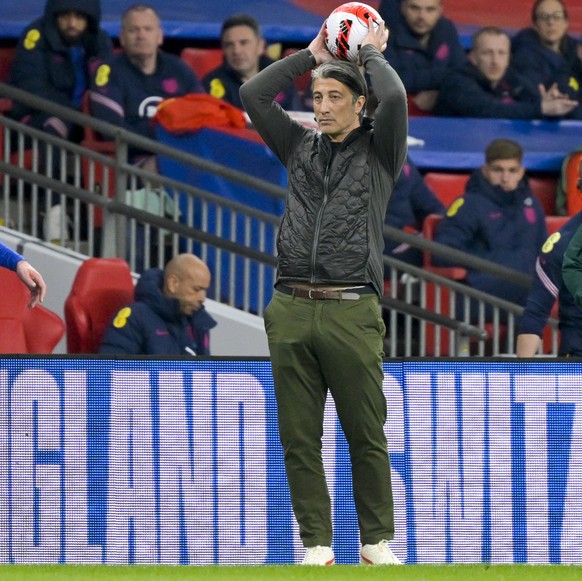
column 168, row 315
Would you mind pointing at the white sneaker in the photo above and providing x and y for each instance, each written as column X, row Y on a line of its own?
column 380, row 554
column 319, row 556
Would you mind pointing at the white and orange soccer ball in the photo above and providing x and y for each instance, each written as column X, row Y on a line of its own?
column 346, row 28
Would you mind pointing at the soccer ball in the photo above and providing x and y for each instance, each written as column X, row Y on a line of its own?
column 346, row 28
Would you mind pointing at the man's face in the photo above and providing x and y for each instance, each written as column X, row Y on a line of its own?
column 141, row 34
column 505, row 173
column 71, row 25
column 190, row 289
column 242, row 49
column 335, row 111
column 421, row 15
column 491, row 56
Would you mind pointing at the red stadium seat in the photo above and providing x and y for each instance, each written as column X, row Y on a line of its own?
column 573, row 175
column 101, row 287
column 447, row 186
column 6, row 58
column 202, row 60
column 544, row 187
column 24, row 330
column 554, row 223
column 428, row 231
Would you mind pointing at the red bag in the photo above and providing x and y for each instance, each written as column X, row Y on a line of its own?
column 196, row 110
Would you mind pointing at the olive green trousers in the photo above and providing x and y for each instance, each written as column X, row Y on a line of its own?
column 318, row 346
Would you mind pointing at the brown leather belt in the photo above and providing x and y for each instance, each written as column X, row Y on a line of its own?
column 325, row 295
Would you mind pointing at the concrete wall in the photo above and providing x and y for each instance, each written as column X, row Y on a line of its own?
column 237, row 333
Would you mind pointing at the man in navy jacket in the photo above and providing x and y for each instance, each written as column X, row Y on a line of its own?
column 243, row 46
column 168, row 316
column 488, row 87
column 127, row 90
column 547, row 287
column 423, row 46
column 498, row 218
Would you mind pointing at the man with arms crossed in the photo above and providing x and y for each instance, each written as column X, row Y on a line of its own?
column 323, row 324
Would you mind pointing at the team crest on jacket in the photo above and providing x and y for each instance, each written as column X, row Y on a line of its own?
column 217, row 88
column 121, row 318
column 32, row 37
column 551, row 242
column 170, row 86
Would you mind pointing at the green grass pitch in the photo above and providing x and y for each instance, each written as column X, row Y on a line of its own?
column 292, row 573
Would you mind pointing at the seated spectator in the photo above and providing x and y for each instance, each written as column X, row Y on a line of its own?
column 55, row 58
column 411, row 202
column 244, row 56
column 168, row 316
column 547, row 287
column 488, row 87
column 422, row 47
column 499, row 219
column 545, row 54
column 127, row 90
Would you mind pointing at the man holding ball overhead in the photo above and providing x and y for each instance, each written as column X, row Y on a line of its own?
column 323, row 323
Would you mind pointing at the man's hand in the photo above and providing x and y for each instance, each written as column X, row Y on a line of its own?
column 33, row 280
column 377, row 36
column 319, row 49
column 426, row 100
column 554, row 103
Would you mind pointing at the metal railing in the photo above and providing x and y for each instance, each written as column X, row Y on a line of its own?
column 106, row 208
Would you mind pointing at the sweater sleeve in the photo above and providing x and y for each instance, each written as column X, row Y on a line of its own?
column 391, row 119
column 258, row 94
column 541, row 297
column 8, row 258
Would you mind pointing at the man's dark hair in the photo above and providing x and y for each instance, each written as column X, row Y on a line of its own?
column 346, row 73
column 503, row 149
column 241, row 20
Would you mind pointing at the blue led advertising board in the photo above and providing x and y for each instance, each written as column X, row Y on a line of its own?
column 179, row 462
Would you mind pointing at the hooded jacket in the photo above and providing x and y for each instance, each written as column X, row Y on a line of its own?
column 507, row 228
column 43, row 64
column 154, row 324
column 421, row 67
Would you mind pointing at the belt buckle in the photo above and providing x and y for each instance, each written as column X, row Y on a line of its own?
column 309, row 294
